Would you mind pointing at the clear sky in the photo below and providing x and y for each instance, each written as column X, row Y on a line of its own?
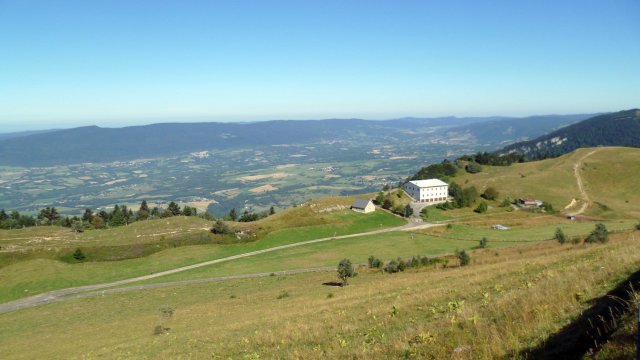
column 113, row 63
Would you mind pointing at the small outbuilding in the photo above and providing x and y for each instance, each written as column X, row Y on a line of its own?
column 529, row 203
column 363, row 206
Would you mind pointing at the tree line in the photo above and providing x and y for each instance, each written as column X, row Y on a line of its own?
column 119, row 216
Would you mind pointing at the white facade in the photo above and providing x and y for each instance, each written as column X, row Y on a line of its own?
column 431, row 191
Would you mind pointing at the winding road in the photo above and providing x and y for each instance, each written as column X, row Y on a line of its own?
column 107, row 288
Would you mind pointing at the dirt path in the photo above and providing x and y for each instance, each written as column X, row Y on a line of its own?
column 583, row 193
column 75, row 292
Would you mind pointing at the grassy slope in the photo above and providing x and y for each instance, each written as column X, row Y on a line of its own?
column 36, row 276
column 614, row 184
column 435, row 241
column 609, row 176
column 496, row 307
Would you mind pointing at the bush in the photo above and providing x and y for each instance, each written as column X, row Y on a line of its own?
column 79, row 255
column 392, row 267
column 600, row 234
column 370, row 260
column 506, row 202
column 490, row 193
column 638, row 226
column 444, row 206
column 282, row 295
column 220, row 227
column 483, row 242
column 473, row 168
column 424, row 261
column 463, row 257
column 402, row 266
column 576, row 240
column 482, row 208
column 415, row 261
column 547, row 207
column 374, row 262
column 560, row 236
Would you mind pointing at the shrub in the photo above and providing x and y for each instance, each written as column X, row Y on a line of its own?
column 415, row 261
column 576, row 240
column 424, row 213
column 638, row 226
column 547, row 207
column 482, row 208
column 424, row 261
column 600, row 234
column 463, row 257
column 483, row 242
column 282, row 295
column 220, row 227
column 387, row 204
column 490, row 193
column 392, row 267
column 370, row 260
column 79, row 255
column 402, row 266
column 560, row 236
column 407, row 211
column 473, row 168
column 374, row 262
column 77, row 226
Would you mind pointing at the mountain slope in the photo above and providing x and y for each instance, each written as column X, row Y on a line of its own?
column 615, row 129
column 95, row 144
column 608, row 174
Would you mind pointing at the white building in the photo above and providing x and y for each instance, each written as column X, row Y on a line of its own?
column 432, row 191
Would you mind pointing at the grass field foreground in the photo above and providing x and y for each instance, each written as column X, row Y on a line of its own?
column 498, row 306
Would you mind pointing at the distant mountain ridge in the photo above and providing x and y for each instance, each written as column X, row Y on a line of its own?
column 96, row 144
column 615, row 129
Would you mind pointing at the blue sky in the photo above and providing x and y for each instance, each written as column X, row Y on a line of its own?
column 114, row 63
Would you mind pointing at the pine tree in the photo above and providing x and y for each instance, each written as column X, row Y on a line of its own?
column 117, row 218
column 88, row 215
column 174, row 209
column 233, row 215
column 143, row 211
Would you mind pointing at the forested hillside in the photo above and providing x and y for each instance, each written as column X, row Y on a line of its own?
column 615, row 129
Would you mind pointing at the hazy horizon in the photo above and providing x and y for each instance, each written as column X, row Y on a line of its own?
column 54, row 125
